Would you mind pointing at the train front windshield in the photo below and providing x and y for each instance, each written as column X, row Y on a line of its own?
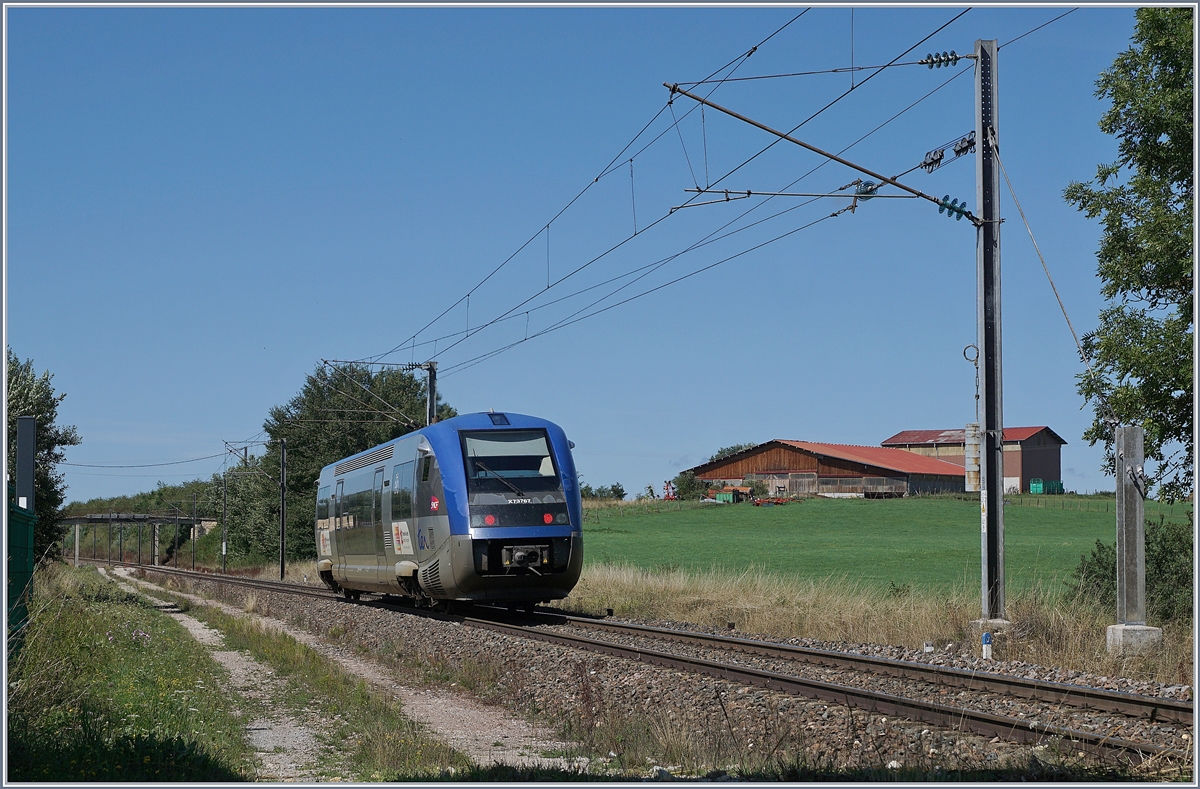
column 512, row 479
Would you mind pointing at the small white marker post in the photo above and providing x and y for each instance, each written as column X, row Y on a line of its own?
column 987, row 646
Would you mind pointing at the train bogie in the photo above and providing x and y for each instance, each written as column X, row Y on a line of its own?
column 481, row 507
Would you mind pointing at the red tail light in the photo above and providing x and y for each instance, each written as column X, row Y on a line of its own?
column 548, row 518
column 489, row 520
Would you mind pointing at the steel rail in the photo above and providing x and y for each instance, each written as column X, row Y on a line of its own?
column 232, row 580
column 984, row 723
column 946, row 716
column 1131, row 704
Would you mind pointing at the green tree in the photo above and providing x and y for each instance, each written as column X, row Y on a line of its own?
column 341, row 410
column 725, row 452
column 32, row 395
column 688, row 486
column 758, row 488
column 617, row 491
column 1141, row 351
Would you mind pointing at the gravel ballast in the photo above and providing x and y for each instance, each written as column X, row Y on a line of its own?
column 740, row 724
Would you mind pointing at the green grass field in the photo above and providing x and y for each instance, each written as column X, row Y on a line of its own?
column 923, row 542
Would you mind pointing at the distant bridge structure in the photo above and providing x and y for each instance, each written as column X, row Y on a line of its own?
column 154, row 521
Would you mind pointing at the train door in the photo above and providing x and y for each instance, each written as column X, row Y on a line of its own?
column 381, row 562
column 402, row 523
column 339, row 533
column 433, row 527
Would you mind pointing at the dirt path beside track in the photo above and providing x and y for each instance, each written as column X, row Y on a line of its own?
column 486, row 734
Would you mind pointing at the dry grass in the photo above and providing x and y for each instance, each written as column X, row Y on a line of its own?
column 301, row 572
column 1048, row 629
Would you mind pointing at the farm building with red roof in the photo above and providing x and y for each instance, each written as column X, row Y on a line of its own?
column 1029, row 452
column 792, row 468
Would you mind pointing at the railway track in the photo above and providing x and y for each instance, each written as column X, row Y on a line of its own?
column 1129, row 704
column 549, row 627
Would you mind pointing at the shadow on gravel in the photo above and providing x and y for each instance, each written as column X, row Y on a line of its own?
column 124, row 759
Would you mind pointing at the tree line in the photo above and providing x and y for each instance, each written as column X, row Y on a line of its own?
column 341, row 410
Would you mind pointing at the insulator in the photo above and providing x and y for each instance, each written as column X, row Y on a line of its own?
column 933, row 160
column 965, row 145
column 952, row 207
column 945, row 59
column 866, row 190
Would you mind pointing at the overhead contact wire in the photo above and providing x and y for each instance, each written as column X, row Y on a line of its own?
column 573, row 200
column 713, row 237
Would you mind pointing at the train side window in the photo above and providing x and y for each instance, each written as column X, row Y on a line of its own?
column 323, row 508
column 377, row 497
column 338, row 505
column 425, row 469
column 402, row 491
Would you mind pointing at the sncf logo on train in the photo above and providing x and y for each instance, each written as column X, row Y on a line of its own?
column 433, row 503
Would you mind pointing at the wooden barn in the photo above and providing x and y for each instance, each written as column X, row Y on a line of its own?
column 793, row 468
column 1029, row 452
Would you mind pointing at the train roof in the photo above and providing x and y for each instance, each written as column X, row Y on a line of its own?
column 440, row 431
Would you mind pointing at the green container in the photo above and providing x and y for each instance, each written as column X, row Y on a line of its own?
column 1035, row 485
column 1055, row 486
column 20, row 560
column 725, row 497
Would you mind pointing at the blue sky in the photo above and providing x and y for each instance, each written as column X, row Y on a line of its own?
column 204, row 202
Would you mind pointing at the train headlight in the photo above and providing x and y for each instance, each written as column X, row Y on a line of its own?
column 560, row 517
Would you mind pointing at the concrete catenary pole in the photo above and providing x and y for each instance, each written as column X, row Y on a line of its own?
column 282, row 505
column 431, row 402
column 987, row 257
column 26, row 453
column 1131, row 634
column 1128, row 454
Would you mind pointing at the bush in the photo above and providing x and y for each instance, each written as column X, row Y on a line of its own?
column 758, row 488
column 687, row 486
column 1169, row 552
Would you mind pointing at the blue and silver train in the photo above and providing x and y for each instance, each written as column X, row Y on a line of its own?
column 480, row 507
